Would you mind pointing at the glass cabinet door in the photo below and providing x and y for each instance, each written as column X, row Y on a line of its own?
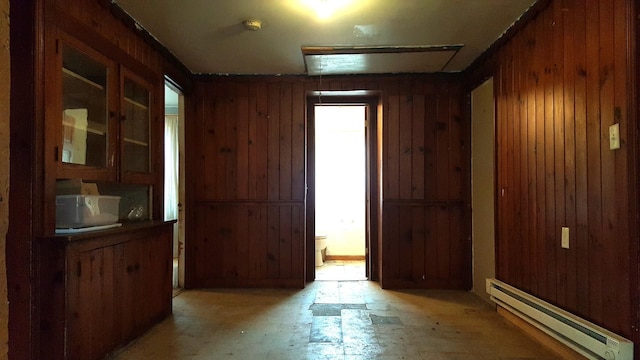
column 84, row 110
column 135, row 127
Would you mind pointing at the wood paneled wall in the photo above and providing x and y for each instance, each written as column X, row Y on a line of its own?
column 560, row 82
column 248, row 184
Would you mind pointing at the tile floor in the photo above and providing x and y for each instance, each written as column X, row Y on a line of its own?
column 341, row 270
column 348, row 320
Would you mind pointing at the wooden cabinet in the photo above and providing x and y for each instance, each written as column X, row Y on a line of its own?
column 100, row 291
column 103, row 125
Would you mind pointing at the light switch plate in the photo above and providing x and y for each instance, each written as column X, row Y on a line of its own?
column 565, row 238
column 614, row 136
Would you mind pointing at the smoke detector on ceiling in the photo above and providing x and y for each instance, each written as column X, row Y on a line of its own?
column 253, row 25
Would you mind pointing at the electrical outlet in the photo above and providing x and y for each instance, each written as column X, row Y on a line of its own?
column 614, row 137
column 565, row 238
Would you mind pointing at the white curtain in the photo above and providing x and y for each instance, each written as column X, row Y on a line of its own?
column 171, row 151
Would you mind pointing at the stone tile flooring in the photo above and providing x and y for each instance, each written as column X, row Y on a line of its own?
column 348, row 320
column 341, row 270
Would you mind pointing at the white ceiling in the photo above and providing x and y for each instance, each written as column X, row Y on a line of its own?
column 209, row 38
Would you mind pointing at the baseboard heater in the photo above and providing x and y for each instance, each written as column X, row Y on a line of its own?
column 586, row 338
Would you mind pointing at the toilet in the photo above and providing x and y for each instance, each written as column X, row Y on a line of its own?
column 321, row 244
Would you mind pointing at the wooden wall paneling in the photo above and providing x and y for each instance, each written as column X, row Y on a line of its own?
column 550, row 238
column 243, row 119
column 457, row 267
column 210, row 150
column 392, row 136
column 594, row 183
column 203, row 235
column 285, row 154
column 443, row 145
column 531, row 107
column 273, row 143
column 537, row 73
column 273, row 242
column 514, row 124
column 624, row 98
column 227, row 242
column 244, row 242
column 582, row 239
column 230, row 141
column 557, row 72
column 418, row 147
column 262, row 154
column 568, row 99
column 419, row 238
column 521, row 111
column 562, row 80
column 297, row 243
column 442, row 245
column 298, row 143
column 614, row 307
column 256, row 243
column 391, row 234
column 252, row 141
column 405, row 240
column 431, row 146
column 405, row 153
column 285, row 241
column 431, row 242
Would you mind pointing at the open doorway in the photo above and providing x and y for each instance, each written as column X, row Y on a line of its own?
column 340, row 191
column 174, row 176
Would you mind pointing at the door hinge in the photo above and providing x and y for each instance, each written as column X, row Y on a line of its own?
column 55, row 154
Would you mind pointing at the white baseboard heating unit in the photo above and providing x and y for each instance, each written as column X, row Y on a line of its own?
column 586, row 338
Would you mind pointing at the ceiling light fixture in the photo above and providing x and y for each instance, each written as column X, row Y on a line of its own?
column 324, row 9
column 253, row 25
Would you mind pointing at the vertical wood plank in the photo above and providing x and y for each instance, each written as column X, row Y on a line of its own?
column 243, row 214
column 624, row 179
column 286, row 123
column 273, row 143
column 442, row 247
column 594, row 183
column 418, row 248
column 557, row 73
column 443, row 142
column 405, row 245
column 286, row 242
column 404, row 147
column 550, row 210
column 530, row 83
column 392, row 175
column 298, row 142
column 570, row 150
column 608, row 167
column 253, row 135
column 242, row 141
column 230, row 141
column 582, row 239
column 430, row 243
column 418, row 147
column 273, row 242
column 262, row 142
column 431, row 116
